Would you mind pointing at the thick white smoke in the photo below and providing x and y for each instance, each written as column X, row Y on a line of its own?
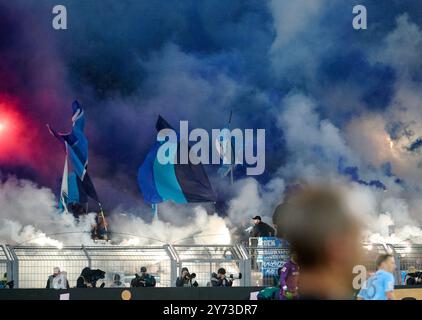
column 315, row 146
column 29, row 216
column 198, row 228
column 253, row 199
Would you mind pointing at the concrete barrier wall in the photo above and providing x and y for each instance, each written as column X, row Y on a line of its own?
column 408, row 292
column 234, row 293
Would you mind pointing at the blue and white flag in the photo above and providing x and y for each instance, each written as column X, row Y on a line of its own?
column 181, row 183
column 76, row 184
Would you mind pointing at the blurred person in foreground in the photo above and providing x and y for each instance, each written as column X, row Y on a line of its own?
column 380, row 286
column 326, row 239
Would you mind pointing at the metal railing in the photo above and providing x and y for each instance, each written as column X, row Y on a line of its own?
column 204, row 260
column 5, row 261
column 258, row 261
column 30, row 266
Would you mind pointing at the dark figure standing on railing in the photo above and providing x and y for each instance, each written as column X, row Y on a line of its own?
column 186, row 279
column 261, row 229
column 143, row 280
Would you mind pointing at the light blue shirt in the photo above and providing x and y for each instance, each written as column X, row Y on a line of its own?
column 377, row 286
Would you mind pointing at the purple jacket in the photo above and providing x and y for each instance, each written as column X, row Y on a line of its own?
column 289, row 276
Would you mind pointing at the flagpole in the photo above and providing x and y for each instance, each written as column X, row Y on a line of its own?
column 64, row 186
column 154, row 208
column 102, row 216
column 231, row 151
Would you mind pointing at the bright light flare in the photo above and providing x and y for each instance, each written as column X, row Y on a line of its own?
column 4, row 124
column 11, row 128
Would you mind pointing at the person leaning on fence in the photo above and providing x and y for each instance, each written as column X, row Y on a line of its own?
column 186, row 279
column 220, row 280
column 143, row 280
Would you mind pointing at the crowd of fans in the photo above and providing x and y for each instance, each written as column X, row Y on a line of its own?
column 89, row 278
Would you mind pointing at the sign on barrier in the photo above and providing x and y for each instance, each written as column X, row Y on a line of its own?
column 271, row 256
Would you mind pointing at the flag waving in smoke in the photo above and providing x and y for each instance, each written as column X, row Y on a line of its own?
column 76, row 184
column 76, row 142
column 181, row 183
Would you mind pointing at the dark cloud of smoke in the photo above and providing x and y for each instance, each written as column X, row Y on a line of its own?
column 297, row 69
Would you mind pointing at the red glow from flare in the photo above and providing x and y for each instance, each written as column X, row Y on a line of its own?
column 11, row 127
column 24, row 142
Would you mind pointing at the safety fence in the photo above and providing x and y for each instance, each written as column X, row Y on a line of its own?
column 255, row 263
column 204, row 260
column 30, row 266
column 5, row 261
